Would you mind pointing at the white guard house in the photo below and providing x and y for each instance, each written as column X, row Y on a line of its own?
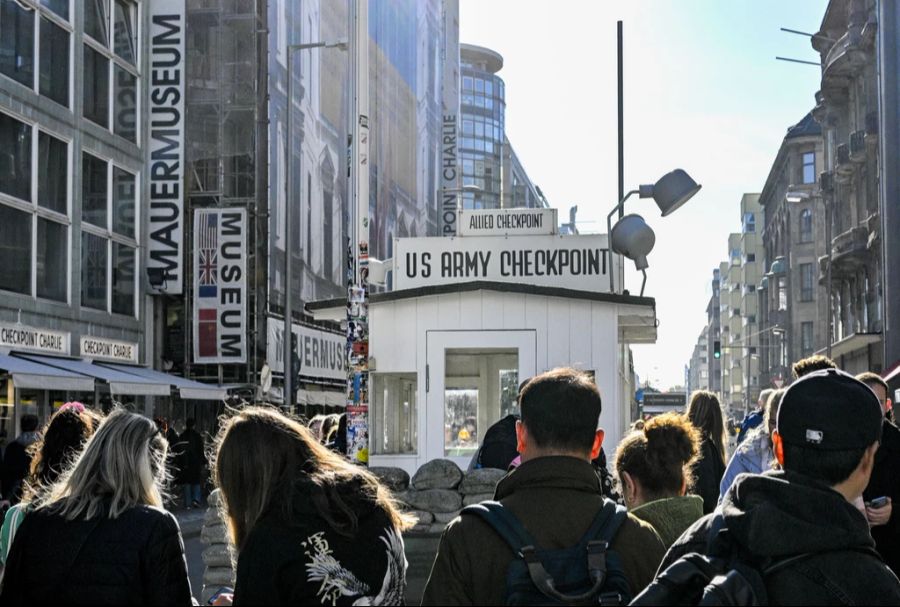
column 471, row 317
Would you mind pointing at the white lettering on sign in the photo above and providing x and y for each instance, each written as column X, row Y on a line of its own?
column 322, row 353
column 570, row 262
column 508, row 222
column 165, row 169
column 120, row 351
column 28, row 338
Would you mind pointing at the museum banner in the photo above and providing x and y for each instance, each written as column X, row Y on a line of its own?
column 220, row 286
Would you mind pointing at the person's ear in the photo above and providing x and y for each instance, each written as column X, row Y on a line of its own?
column 629, row 488
column 868, row 460
column 778, row 448
column 683, row 490
column 598, row 444
column 521, row 438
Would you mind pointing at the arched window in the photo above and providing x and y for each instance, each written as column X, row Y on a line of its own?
column 806, row 226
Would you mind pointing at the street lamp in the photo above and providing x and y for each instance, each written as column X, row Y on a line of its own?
column 288, row 217
column 635, row 239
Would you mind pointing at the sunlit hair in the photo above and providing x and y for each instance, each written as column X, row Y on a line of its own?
column 122, row 466
column 60, row 443
column 772, row 404
column 705, row 413
column 807, row 365
column 265, row 462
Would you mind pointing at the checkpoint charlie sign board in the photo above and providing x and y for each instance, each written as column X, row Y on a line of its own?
column 568, row 262
column 508, row 222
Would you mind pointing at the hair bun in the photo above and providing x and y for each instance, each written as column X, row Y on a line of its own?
column 671, row 436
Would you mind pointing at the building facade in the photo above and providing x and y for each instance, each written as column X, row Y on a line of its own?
column 73, row 76
column 698, row 370
column 714, row 334
column 847, row 107
column 793, row 302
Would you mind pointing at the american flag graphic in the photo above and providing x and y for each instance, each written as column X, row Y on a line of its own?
column 208, row 258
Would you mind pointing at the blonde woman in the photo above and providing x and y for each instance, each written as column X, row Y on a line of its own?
column 99, row 535
column 310, row 527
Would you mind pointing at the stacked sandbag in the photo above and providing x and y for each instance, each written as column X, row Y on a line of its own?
column 217, row 554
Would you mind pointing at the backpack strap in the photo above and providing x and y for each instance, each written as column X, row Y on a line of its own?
column 504, row 523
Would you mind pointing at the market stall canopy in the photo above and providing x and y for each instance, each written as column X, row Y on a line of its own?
column 187, row 388
column 118, row 381
column 35, row 376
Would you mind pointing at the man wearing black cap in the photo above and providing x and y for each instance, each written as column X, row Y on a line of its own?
column 829, row 428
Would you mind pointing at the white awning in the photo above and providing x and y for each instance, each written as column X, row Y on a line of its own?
column 35, row 376
column 328, row 398
column 187, row 388
column 119, row 382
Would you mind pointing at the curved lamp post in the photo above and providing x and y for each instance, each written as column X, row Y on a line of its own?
column 634, row 239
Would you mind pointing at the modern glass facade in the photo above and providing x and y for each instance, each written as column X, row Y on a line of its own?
column 482, row 111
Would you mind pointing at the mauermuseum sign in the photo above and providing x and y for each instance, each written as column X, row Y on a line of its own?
column 569, row 262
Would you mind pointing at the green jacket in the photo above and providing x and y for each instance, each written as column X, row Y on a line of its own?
column 671, row 516
column 556, row 499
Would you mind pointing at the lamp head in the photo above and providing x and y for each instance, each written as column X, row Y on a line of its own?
column 633, row 238
column 671, row 191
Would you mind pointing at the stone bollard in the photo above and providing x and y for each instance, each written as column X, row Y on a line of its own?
column 217, row 556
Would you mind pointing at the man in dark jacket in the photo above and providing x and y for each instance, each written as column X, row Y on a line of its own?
column 193, row 458
column 885, row 481
column 17, row 459
column 555, row 494
column 829, row 427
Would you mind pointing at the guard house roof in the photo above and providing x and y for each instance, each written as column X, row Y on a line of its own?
column 637, row 322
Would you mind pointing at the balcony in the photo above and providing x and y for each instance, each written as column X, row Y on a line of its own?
column 850, row 251
column 858, row 147
column 844, row 169
column 826, row 182
column 844, row 60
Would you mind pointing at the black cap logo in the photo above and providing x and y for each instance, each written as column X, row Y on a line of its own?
column 814, row 436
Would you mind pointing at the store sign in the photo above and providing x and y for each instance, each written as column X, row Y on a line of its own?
column 450, row 182
column 109, row 349
column 166, row 160
column 321, row 352
column 20, row 337
column 508, row 222
column 220, row 285
column 568, row 262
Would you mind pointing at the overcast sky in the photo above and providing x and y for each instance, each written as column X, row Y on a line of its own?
column 703, row 92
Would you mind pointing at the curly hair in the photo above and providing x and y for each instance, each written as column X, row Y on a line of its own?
column 660, row 455
column 63, row 437
column 816, row 362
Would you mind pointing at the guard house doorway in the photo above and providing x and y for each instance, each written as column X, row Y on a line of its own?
column 472, row 378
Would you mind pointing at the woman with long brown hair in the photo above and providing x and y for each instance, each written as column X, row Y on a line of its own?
column 309, row 527
column 705, row 413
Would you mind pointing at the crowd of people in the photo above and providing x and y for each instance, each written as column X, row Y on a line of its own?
column 800, row 513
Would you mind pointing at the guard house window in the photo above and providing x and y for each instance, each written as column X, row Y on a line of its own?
column 806, row 338
column 806, row 226
column 108, row 240
column 395, row 425
column 809, row 167
column 806, row 282
column 112, row 79
column 34, row 211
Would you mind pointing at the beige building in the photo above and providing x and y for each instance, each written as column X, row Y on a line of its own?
column 847, row 109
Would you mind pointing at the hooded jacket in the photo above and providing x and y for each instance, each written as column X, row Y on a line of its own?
column 556, row 498
column 777, row 515
column 753, row 456
column 671, row 516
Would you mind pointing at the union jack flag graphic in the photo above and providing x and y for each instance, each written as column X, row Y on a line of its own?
column 208, row 258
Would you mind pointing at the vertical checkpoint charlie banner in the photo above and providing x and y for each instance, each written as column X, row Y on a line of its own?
column 220, row 286
column 165, row 169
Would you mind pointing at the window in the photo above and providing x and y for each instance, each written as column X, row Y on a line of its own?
column 22, row 57
column 34, row 235
column 782, row 293
column 94, row 190
column 54, row 63
column 111, row 78
column 806, row 338
column 809, row 167
column 17, row 42
column 123, row 274
column 751, row 257
column 749, row 222
column 123, row 202
column 395, row 427
column 15, row 244
column 806, row 226
column 94, row 263
column 806, row 282
column 15, row 158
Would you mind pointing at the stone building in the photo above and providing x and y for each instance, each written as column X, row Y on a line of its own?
column 793, row 304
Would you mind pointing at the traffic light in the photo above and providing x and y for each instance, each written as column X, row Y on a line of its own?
column 717, row 349
column 295, row 361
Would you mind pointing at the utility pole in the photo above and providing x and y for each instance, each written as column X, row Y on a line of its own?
column 358, row 251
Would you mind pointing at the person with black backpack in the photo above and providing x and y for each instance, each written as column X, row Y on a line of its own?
column 792, row 537
column 550, row 537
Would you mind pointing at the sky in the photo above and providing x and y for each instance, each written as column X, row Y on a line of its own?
column 703, row 92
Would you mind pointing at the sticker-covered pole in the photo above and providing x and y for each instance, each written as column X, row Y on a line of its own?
column 357, row 397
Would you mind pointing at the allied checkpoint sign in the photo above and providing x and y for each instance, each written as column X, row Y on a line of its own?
column 507, row 222
column 579, row 262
